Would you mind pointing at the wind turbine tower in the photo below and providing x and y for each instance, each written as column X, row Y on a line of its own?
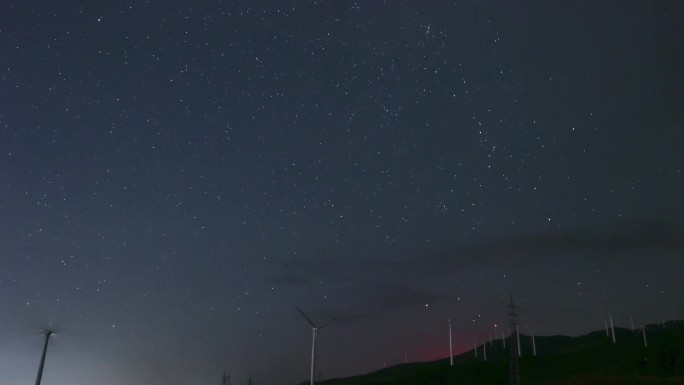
column 612, row 329
column 451, row 347
column 225, row 380
column 315, row 330
column 514, row 373
column 643, row 331
column 484, row 346
column 48, row 333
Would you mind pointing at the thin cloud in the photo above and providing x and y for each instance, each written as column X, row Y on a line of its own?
column 656, row 235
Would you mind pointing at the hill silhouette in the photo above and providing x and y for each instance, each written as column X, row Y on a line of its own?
column 588, row 359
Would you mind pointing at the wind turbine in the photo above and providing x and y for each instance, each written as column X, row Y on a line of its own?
column 315, row 330
column 48, row 334
column 484, row 346
column 534, row 346
column 612, row 329
column 643, row 331
column 451, row 347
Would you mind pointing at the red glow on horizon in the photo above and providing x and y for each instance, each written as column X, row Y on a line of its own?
column 437, row 350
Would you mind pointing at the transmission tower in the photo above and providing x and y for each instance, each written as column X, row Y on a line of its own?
column 513, row 373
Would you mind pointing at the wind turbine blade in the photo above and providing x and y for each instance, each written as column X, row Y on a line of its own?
column 327, row 323
column 307, row 318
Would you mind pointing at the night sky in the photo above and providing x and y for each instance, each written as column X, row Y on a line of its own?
column 177, row 176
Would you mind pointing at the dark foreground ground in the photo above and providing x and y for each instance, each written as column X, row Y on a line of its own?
column 589, row 359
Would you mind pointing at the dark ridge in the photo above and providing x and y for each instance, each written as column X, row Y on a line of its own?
column 587, row 359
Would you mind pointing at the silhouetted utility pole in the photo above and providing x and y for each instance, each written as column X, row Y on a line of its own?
column 513, row 373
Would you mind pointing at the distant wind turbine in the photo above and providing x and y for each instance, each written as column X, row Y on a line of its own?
column 484, row 346
column 315, row 330
column 612, row 329
column 643, row 331
column 451, row 347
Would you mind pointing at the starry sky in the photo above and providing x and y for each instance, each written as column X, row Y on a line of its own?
column 176, row 176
